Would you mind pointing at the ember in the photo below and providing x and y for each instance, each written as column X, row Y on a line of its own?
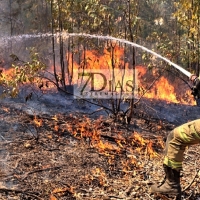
column 38, row 122
column 97, row 156
column 76, row 156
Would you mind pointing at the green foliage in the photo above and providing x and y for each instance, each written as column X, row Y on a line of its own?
column 93, row 16
column 21, row 73
column 170, row 27
column 188, row 16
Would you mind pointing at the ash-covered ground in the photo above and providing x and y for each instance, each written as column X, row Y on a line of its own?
column 53, row 101
column 55, row 147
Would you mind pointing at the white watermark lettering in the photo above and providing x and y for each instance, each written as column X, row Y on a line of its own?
column 106, row 84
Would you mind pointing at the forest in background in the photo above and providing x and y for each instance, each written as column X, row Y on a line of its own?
column 170, row 28
column 54, row 146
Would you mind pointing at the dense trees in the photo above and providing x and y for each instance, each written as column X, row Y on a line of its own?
column 187, row 14
column 169, row 27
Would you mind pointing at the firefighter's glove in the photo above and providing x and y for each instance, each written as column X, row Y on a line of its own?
column 196, row 86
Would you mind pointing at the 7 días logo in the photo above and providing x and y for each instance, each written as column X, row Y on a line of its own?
column 106, row 84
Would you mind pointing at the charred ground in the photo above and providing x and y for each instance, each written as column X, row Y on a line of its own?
column 68, row 155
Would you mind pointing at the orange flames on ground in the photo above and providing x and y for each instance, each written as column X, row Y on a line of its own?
column 114, row 57
column 144, row 145
column 59, row 192
column 162, row 88
column 38, row 122
column 90, row 129
column 7, row 74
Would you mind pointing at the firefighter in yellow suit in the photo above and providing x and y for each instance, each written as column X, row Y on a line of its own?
column 177, row 140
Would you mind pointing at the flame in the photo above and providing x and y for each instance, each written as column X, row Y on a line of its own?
column 102, row 146
column 38, row 122
column 61, row 192
column 119, row 143
column 87, row 128
column 120, row 140
column 56, row 127
column 112, row 57
column 141, row 71
column 94, row 60
column 150, row 150
column 144, row 144
column 140, row 140
column 8, row 73
column 163, row 90
column 52, row 197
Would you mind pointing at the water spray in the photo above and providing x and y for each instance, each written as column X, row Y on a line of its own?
column 101, row 37
column 66, row 35
column 188, row 74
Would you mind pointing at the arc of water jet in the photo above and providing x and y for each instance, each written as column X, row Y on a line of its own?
column 184, row 71
column 65, row 34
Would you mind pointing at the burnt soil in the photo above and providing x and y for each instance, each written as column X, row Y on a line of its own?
column 58, row 156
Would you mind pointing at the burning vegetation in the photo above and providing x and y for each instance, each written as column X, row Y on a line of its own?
column 81, row 150
column 153, row 83
column 77, row 157
column 69, row 155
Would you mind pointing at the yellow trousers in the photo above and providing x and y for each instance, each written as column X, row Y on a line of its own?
column 177, row 140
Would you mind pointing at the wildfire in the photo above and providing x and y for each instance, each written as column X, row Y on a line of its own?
column 103, row 146
column 163, row 90
column 93, row 60
column 138, row 139
column 150, row 150
column 113, row 58
column 38, row 122
column 7, row 74
column 56, row 127
column 61, row 192
column 144, row 145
